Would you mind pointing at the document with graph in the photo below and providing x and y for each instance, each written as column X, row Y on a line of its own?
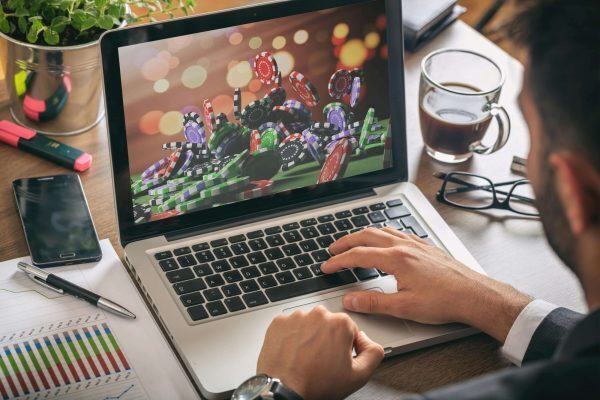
column 56, row 346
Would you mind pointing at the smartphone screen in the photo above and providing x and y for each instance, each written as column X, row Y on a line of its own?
column 56, row 220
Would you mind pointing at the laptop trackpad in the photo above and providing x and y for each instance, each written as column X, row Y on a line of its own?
column 382, row 329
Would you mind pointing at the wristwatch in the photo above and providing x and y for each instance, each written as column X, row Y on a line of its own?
column 263, row 387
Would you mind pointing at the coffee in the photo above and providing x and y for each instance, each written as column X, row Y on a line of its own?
column 451, row 123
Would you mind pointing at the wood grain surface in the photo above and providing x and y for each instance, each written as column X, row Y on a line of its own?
column 510, row 249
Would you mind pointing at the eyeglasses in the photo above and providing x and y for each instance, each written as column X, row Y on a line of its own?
column 475, row 192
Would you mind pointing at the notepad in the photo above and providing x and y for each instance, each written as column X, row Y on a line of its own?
column 56, row 346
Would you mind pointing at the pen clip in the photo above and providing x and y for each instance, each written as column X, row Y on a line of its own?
column 44, row 284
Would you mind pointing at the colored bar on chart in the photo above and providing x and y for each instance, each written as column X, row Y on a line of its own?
column 46, row 362
column 86, row 353
column 16, row 370
column 36, row 364
column 63, row 352
column 106, row 349
column 57, row 361
column 75, row 353
column 88, row 335
column 8, row 377
column 115, row 346
column 25, row 365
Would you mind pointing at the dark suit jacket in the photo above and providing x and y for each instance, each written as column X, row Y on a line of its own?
column 562, row 361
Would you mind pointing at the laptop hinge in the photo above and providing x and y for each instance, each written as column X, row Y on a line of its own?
column 270, row 214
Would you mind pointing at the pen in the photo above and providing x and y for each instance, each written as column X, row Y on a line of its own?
column 62, row 286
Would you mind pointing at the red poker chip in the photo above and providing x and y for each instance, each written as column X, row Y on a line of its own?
column 209, row 115
column 164, row 215
column 254, row 141
column 336, row 162
column 265, row 68
column 173, row 160
column 293, row 136
column 305, row 89
column 257, row 189
column 340, row 84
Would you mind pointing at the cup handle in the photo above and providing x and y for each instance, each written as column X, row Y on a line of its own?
column 501, row 116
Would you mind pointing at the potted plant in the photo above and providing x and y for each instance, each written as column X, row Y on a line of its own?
column 52, row 59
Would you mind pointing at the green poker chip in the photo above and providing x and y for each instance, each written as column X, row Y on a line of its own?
column 209, row 195
column 231, row 168
column 225, row 129
column 262, row 164
column 366, row 127
column 269, row 139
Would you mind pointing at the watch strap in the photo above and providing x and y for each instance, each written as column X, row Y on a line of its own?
column 282, row 392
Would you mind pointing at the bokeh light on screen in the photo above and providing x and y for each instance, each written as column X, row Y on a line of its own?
column 173, row 62
column 161, row 86
column 236, row 38
column 148, row 124
column 239, row 75
column 164, row 55
column 255, row 42
column 248, row 98
column 353, row 53
column 232, row 64
column 204, row 61
column 194, row 76
column 285, row 62
column 300, row 37
column 179, row 43
column 171, row 123
column 155, row 69
column 191, row 108
column 254, row 85
column 372, row 40
column 206, row 42
column 279, row 42
column 142, row 55
column 381, row 22
column 384, row 52
column 341, row 30
column 223, row 104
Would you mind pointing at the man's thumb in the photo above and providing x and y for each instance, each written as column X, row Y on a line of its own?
column 368, row 355
column 369, row 302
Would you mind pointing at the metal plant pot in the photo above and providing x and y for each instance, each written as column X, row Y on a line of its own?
column 54, row 90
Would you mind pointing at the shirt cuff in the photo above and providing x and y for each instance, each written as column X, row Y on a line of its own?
column 523, row 328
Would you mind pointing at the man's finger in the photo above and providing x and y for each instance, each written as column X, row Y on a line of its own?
column 365, row 257
column 370, row 302
column 368, row 355
column 404, row 235
column 370, row 237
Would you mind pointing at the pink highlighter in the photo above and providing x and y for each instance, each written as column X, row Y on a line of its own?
column 40, row 145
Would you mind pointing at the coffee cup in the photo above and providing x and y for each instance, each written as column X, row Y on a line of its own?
column 458, row 99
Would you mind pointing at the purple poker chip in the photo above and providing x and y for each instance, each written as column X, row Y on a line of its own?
column 314, row 145
column 337, row 116
column 194, row 133
column 342, row 135
column 189, row 156
column 355, row 91
column 331, row 145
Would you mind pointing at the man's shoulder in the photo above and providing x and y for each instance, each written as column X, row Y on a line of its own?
column 549, row 379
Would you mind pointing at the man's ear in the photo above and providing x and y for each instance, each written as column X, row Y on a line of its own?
column 578, row 186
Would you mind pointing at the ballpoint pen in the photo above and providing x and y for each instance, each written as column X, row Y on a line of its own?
column 59, row 285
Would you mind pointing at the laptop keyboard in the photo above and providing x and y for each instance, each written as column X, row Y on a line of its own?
column 238, row 273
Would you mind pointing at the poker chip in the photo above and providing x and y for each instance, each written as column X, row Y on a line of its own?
column 256, row 113
column 305, row 89
column 337, row 116
column 221, row 119
column 299, row 107
column 269, row 139
column 367, row 123
column 265, row 68
column 283, row 131
column 339, row 84
column 141, row 213
column 324, row 129
column 293, row 136
column 194, row 132
column 192, row 117
column 195, row 189
column 278, row 80
column 201, row 169
column 387, row 153
column 173, row 159
column 209, row 115
column 230, row 168
column 355, row 91
column 336, row 162
column 313, row 145
column 231, row 145
column 219, row 135
column 256, row 189
column 292, row 153
column 187, row 161
column 237, row 103
column 148, row 184
column 166, row 189
column 277, row 95
column 331, row 145
column 254, row 140
column 284, row 114
column 164, row 215
column 182, row 146
column 154, row 167
column 263, row 164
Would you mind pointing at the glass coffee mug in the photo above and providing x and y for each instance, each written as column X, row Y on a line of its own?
column 458, row 98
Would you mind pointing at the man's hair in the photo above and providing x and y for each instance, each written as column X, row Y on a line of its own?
column 562, row 39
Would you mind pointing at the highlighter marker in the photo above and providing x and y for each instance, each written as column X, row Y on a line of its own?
column 41, row 145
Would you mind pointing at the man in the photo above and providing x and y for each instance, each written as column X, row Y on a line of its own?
column 311, row 353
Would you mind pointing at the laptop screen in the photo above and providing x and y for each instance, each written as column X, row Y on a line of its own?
column 228, row 115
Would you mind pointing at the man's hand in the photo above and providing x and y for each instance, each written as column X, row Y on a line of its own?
column 311, row 353
column 433, row 287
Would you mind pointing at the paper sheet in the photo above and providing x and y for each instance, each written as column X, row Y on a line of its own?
column 56, row 346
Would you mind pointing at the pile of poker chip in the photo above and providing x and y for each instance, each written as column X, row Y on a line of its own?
column 222, row 161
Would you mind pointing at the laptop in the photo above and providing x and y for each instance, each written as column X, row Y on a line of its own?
column 243, row 143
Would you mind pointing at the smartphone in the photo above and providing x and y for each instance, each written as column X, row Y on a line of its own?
column 56, row 220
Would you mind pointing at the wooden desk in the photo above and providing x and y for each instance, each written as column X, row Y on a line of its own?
column 508, row 248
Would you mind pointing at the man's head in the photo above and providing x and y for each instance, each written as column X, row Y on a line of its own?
column 560, row 101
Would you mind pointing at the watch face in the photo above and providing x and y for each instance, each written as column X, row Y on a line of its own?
column 251, row 388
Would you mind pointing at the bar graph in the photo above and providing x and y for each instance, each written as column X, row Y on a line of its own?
column 67, row 360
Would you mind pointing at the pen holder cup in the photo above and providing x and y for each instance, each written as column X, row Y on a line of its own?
column 53, row 90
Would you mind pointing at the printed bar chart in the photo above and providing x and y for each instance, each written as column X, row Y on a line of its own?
column 62, row 358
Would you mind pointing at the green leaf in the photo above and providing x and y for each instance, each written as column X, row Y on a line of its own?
column 105, row 22
column 4, row 24
column 51, row 37
column 59, row 23
column 88, row 22
column 22, row 24
column 101, row 3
